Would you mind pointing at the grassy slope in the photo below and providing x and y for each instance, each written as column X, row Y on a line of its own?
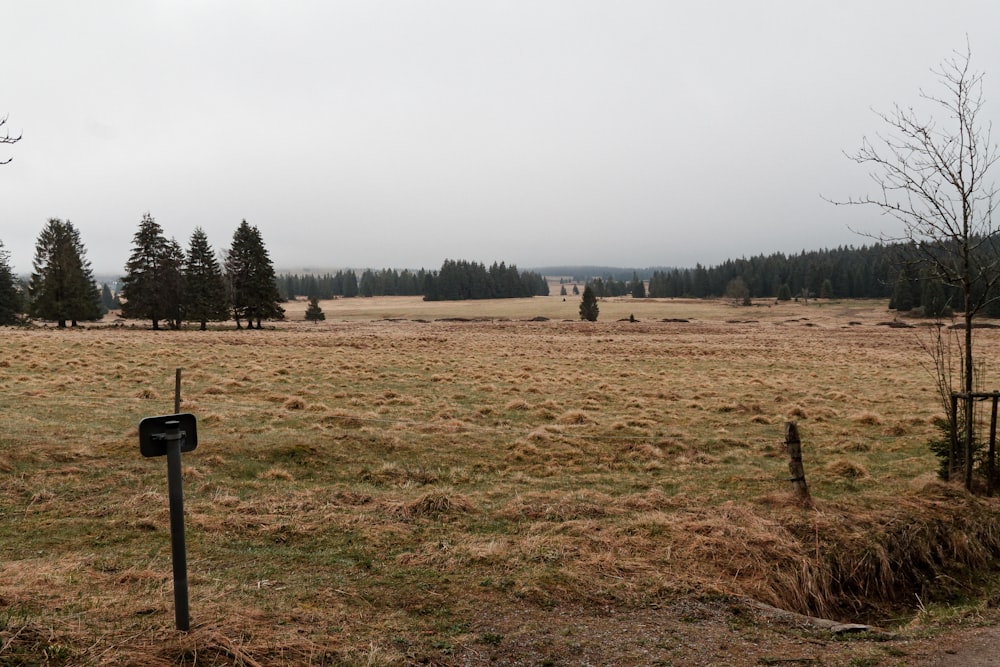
column 383, row 491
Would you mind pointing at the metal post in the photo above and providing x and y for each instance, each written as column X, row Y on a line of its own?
column 174, row 438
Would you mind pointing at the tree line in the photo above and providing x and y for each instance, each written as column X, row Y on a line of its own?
column 456, row 280
column 844, row 272
column 162, row 283
column 166, row 284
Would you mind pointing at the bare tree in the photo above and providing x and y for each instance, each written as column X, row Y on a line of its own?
column 7, row 139
column 933, row 178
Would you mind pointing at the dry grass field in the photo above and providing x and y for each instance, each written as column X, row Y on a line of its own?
column 488, row 483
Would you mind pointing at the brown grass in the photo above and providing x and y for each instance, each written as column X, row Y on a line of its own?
column 398, row 492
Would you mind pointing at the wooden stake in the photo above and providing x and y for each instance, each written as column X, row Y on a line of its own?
column 798, row 473
column 177, row 392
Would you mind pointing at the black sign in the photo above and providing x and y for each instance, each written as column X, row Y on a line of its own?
column 155, row 433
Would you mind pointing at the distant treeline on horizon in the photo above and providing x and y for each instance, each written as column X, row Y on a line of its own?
column 456, row 280
column 845, row 272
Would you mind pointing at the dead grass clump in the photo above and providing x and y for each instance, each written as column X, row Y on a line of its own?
column 345, row 419
column 642, row 451
column 920, row 546
column 540, row 434
column 821, row 414
column 524, row 452
column 758, row 557
column 796, row 412
column 574, row 417
column 294, row 403
column 518, row 404
column 652, row 500
column 432, row 504
column 846, row 469
column 560, row 506
column 867, row 417
column 277, row 473
column 897, row 429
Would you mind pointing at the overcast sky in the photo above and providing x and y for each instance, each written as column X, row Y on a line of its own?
column 399, row 133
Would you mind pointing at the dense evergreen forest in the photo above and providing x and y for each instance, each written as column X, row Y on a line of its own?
column 866, row 272
column 454, row 281
column 846, row 272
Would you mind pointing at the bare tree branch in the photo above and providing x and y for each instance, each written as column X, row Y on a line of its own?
column 934, row 179
column 7, row 139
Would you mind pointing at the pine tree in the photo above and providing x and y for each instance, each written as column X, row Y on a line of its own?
column 108, row 300
column 637, row 287
column 314, row 313
column 149, row 284
column 350, row 284
column 62, row 286
column 588, row 305
column 10, row 295
column 252, row 282
column 933, row 298
column 205, row 297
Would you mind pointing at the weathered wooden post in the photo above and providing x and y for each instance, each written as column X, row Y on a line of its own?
column 968, row 441
column 953, row 450
column 798, row 473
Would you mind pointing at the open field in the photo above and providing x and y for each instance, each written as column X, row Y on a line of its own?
column 386, row 488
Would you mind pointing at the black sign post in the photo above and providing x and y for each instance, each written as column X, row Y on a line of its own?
column 170, row 435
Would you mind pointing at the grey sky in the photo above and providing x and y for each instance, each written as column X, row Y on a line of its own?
column 399, row 133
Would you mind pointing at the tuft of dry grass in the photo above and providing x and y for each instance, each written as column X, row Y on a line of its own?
column 846, row 469
column 867, row 417
column 294, row 403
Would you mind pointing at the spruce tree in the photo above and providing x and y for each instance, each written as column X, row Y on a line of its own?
column 172, row 285
column 205, row 298
column 588, row 305
column 350, row 284
column 108, row 300
column 149, row 280
column 252, row 282
column 314, row 313
column 10, row 295
column 62, row 286
column 637, row 287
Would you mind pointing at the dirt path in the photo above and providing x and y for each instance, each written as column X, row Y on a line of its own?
column 975, row 648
